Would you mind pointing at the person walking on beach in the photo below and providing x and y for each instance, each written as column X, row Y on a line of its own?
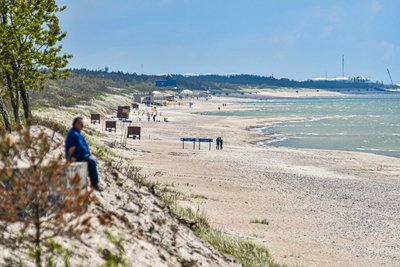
column 76, row 148
column 218, row 141
column 221, row 142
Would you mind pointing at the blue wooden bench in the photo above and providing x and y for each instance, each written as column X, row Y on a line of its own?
column 194, row 140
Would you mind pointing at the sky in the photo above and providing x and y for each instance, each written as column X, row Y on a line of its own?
column 295, row 39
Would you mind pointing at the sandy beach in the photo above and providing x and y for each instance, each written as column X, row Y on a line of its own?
column 323, row 208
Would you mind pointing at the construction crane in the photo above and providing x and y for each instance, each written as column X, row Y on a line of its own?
column 390, row 76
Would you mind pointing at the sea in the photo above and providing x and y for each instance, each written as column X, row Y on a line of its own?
column 368, row 123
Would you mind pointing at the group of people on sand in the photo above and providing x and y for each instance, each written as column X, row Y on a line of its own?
column 224, row 105
column 219, row 142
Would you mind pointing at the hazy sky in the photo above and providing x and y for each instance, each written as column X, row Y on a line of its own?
column 298, row 39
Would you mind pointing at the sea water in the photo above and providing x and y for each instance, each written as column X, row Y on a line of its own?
column 369, row 123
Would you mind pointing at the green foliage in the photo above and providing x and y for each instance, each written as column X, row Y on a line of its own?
column 30, row 34
column 191, row 215
column 92, row 132
column 70, row 92
column 13, row 262
column 246, row 252
column 56, row 250
column 116, row 258
column 133, row 173
column 29, row 52
column 263, row 221
column 101, row 151
column 49, row 123
column 198, row 196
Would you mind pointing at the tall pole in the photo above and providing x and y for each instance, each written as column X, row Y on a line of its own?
column 343, row 66
column 390, row 77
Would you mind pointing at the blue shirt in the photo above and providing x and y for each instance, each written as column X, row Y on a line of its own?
column 76, row 140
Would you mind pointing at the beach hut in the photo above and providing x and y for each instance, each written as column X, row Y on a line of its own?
column 159, row 97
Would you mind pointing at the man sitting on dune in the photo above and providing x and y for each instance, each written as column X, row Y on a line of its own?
column 77, row 148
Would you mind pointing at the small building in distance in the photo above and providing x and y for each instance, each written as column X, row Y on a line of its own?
column 168, row 82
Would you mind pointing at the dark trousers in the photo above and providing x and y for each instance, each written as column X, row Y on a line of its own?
column 93, row 174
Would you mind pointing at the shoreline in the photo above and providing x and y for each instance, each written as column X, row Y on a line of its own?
column 274, row 137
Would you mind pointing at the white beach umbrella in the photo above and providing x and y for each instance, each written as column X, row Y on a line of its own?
column 186, row 92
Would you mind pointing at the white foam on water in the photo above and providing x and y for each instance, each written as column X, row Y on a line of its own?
column 363, row 148
column 368, row 149
column 276, row 140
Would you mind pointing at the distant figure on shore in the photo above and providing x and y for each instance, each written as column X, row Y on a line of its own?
column 77, row 148
column 219, row 108
column 219, row 142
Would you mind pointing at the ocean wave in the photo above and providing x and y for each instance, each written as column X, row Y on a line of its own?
column 368, row 149
column 312, row 134
column 363, row 148
column 282, row 124
column 259, row 129
column 276, row 140
column 313, row 119
column 289, row 121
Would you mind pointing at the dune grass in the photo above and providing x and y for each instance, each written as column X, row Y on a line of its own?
column 246, row 252
column 199, row 196
column 263, row 221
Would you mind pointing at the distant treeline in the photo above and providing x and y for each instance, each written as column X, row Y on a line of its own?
column 262, row 81
column 218, row 82
column 82, row 85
